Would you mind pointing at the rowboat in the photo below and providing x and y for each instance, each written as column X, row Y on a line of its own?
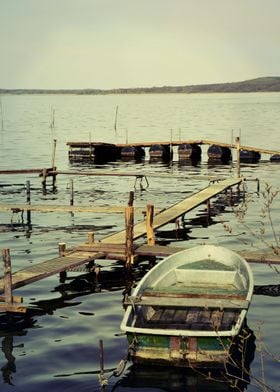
column 189, row 310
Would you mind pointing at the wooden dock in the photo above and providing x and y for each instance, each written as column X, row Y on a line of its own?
column 201, row 142
column 113, row 247
column 175, row 211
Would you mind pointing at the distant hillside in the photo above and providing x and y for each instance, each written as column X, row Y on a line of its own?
column 266, row 84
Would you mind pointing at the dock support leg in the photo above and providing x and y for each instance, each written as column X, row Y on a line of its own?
column 129, row 224
column 28, row 201
column 131, row 198
column 71, row 192
column 61, row 251
column 149, row 224
column 54, row 179
column 10, row 301
column 44, row 181
column 7, row 277
column 237, row 140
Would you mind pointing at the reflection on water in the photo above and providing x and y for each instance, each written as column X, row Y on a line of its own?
column 234, row 376
column 12, row 325
column 66, row 341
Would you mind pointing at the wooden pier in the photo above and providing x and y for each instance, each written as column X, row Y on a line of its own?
column 119, row 246
column 177, row 210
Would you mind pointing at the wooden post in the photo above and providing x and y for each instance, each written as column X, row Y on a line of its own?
column 54, row 178
column 237, row 140
column 61, row 248
column 131, row 198
column 28, row 201
column 53, row 153
column 11, row 301
column 91, row 237
column 149, row 224
column 44, row 181
column 129, row 224
column 61, row 251
column 53, row 162
column 7, row 277
column 71, row 192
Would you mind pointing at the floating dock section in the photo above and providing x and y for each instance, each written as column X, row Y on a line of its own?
column 186, row 149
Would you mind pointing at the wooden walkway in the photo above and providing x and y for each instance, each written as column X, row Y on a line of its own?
column 176, row 210
column 86, row 253
column 114, row 248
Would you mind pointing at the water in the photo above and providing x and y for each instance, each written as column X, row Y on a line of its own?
column 57, row 346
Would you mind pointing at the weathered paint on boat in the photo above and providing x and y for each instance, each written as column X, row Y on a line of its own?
column 179, row 350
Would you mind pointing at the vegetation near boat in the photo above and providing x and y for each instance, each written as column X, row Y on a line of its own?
column 190, row 309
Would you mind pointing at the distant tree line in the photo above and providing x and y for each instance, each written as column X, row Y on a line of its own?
column 266, row 84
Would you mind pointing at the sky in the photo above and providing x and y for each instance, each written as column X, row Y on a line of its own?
column 104, row 44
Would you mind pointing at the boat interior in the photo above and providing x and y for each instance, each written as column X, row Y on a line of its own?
column 194, row 298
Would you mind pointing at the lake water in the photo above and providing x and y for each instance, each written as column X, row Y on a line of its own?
column 57, row 346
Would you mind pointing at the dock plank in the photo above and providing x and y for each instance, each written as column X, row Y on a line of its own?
column 47, row 268
column 176, row 210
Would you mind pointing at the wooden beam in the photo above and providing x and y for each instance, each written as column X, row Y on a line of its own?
column 190, row 302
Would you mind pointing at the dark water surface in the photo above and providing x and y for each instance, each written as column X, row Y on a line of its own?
column 56, row 347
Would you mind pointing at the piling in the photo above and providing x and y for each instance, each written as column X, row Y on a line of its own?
column 28, row 201
column 10, row 301
column 71, row 192
column 44, row 181
column 129, row 225
column 237, row 141
column 149, row 224
column 61, row 252
column 7, row 276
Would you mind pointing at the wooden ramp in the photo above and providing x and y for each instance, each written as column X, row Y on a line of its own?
column 176, row 210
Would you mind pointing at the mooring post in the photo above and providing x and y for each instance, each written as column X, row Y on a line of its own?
column 237, row 140
column 149, row 224
column 61, row 252
column 71, row 192
column 7, row 277
column 28, row 201
column 129, row 223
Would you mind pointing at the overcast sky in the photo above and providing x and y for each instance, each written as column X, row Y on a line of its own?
column 135, row 43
